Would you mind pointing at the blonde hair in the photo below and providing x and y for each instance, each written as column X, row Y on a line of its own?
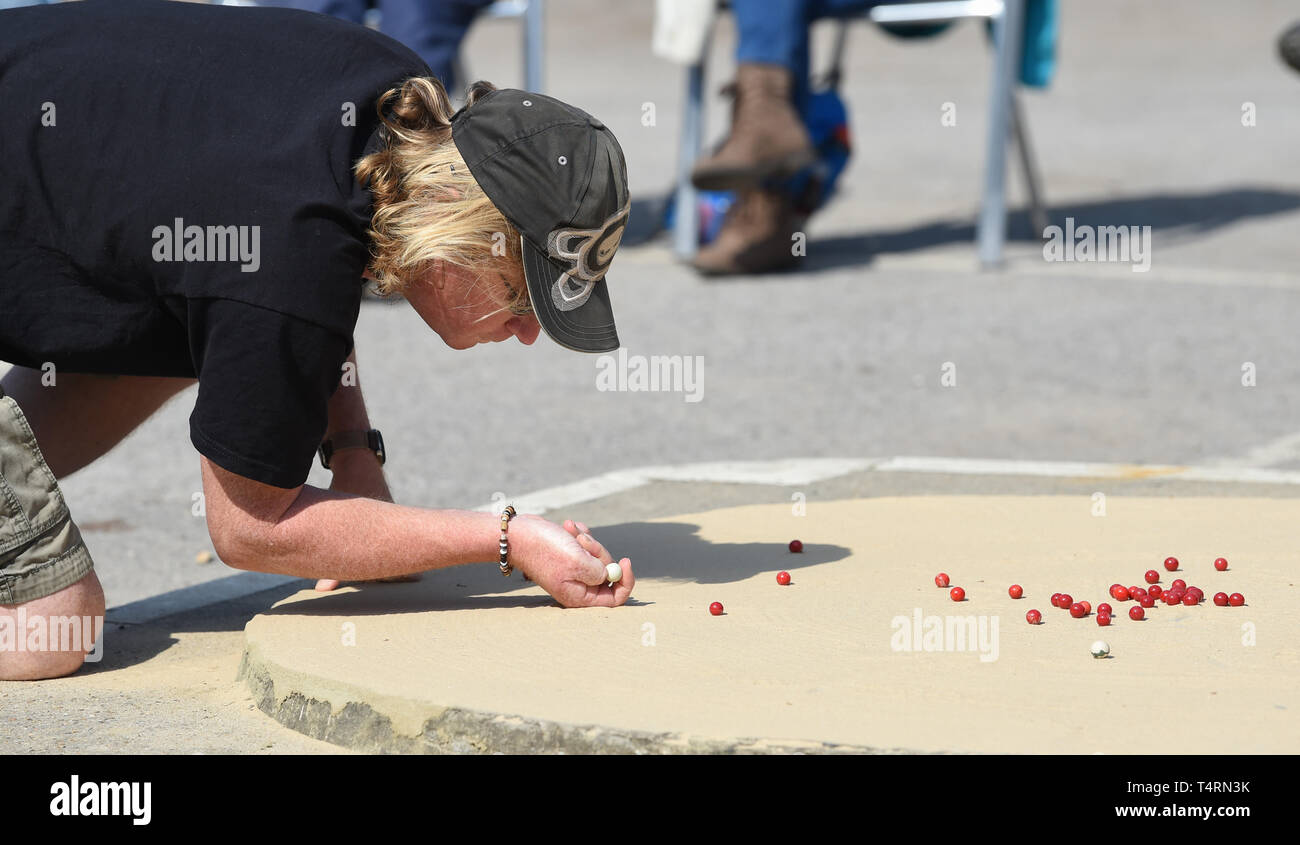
column 427, row 205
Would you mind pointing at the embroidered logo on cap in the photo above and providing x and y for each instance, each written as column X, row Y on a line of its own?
column 588, row 252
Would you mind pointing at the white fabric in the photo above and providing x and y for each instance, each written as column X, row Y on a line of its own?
column 681, row 29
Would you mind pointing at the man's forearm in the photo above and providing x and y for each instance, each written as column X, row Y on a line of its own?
column 352, row 531
column 327, row 534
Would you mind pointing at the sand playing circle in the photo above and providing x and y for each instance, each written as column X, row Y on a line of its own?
column 861, row 650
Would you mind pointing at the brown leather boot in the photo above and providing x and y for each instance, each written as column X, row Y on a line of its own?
column 767, row 140
column 757, row 236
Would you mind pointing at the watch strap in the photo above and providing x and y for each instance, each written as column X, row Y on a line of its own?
column 372, row 440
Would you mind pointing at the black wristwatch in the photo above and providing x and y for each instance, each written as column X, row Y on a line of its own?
column 372, row 440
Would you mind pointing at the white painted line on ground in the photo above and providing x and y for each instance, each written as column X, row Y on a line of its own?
column 802, row 471
column 1241, row 475
column 783, row 472
column 566, row 494
column 1042, row 469
column 1233, row 474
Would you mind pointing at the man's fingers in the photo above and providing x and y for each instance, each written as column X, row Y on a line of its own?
column 623, row 589
column 604, row 595
column 594, row 548
column 575, row 528
column 325, row 585
column 592, row 572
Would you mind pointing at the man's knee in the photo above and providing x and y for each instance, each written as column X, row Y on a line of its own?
column 50, row 637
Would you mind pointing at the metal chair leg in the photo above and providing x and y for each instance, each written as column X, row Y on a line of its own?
column 534, row 45
column 992, row 232
column 686, row 227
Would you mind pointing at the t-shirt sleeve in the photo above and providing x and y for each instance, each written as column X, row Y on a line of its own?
column 265, row 380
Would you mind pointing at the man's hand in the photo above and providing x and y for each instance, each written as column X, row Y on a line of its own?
column 567, row 562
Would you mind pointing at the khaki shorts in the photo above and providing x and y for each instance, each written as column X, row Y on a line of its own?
column 41, row 550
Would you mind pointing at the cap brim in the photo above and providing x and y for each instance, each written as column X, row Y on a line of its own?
column 586, row 328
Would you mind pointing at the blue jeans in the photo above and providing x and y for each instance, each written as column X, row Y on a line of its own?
column 432, row 28
column 776, row 32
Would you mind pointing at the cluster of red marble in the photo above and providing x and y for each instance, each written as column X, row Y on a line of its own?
column 1178, row 592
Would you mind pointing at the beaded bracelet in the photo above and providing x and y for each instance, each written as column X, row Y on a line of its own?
column 506, row 515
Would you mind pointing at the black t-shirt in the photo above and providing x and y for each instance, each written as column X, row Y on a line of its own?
column 177, row 199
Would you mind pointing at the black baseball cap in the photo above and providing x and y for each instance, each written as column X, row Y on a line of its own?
column 558, row 176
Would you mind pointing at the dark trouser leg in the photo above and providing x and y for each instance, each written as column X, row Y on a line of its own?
column 434, row 29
